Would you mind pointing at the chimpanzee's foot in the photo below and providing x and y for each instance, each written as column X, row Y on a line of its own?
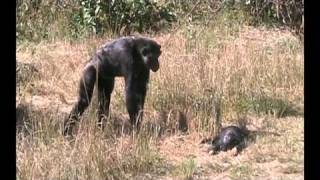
column 68, row 127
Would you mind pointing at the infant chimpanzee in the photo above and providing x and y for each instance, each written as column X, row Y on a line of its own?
column 228, row 138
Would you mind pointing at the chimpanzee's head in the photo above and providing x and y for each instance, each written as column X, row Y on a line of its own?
column 150, row 52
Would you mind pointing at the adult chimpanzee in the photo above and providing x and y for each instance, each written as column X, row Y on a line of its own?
column 128, row 57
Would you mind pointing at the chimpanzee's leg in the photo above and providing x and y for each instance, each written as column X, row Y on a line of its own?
column 86, row 87
column 105, row 88
column 240, row 147
column 135, row 97
column 213, row 150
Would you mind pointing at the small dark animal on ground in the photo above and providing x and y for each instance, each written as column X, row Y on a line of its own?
column 228, row 138
column 128, row 57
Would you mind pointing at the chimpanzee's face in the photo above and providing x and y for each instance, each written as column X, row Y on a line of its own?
column 150, row 54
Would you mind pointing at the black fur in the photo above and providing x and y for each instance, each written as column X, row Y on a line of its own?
column 228, row 138
column 128, row 57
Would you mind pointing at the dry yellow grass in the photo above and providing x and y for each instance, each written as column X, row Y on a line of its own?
column 256, row 72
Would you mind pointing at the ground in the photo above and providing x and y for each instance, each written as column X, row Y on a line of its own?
column 268, row 62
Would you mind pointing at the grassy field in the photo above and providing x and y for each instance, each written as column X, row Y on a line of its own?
column 254, row 73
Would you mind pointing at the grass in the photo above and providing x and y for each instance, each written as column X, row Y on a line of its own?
column 256, row 73
column 241, row 172
column 45, row 153
column 186, row 169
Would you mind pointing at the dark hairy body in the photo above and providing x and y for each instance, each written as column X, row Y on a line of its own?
column 128, row 57
column 228, row 138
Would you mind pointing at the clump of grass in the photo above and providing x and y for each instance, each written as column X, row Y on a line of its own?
column 244, row 171
column 293, row 169
column 262, row 105
column 91, row 154
column 186, row 169
column 218, row 168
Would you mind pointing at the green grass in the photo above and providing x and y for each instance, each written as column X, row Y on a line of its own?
column 186, row 169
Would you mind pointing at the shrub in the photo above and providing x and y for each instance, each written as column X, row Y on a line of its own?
column 284, row 12
column 122, row 15
column 48, row 19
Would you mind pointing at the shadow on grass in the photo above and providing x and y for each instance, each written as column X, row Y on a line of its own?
column 269, row 105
